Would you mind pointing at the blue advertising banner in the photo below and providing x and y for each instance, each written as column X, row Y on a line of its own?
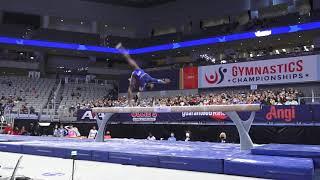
column 268, row 114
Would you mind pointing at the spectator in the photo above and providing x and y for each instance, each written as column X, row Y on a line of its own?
column 34, row 129
column 23, row 131
column 77, row 131
column 223, row 137
column 291, row 101
column 62, row 131
column 151, row 137
column 93, row 133
column 8, row 129
column 108, row 135
column 278, row 102
column 31, row 128
column 172, row 138
column 24, row 109
column 32, row 110
column 72, row 110
column 56, row 131
column 187, row 136
column 15, row 131
column 71, row 131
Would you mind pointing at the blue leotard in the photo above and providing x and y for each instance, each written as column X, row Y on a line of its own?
column 144, row 78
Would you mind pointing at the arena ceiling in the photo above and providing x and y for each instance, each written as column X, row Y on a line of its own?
column 133, row 3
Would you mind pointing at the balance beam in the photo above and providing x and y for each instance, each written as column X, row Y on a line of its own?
column 167, row 109
column 243, row 127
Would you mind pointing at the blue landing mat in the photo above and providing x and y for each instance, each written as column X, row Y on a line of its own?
column 194, row 156
column 275, row 167
column 290, row 150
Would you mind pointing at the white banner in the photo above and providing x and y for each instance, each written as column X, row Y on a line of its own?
column 284, row 70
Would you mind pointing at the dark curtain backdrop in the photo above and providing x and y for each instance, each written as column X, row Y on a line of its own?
column 259, row 134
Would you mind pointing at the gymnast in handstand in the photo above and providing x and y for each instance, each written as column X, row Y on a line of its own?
column 139, row 78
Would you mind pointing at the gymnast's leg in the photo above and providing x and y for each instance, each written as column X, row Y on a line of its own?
column 157, row 81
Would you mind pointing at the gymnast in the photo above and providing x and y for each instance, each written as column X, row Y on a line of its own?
column 139, row 78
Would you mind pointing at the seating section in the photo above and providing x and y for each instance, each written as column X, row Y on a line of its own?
column 24, row 91
column 24, row 95
column 74, row 94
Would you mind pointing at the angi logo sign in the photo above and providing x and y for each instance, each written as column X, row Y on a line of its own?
column 217, row 77
column 287, row 114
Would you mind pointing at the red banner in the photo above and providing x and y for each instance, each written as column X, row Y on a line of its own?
column 190, row 78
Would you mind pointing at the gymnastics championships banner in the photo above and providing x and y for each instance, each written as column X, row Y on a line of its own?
column 268, row 114
column 284, row 70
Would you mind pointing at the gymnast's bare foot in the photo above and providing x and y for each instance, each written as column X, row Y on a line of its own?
column 166, row 81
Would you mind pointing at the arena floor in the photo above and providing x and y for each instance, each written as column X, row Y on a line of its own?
column 48, row 168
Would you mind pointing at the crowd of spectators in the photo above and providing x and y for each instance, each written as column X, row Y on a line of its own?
column 66, row 131
column 76, row 95
column 35, row 130
column 172, row 137
column 31, row 130
column 72, row 131
column 222, row 137
column 8, row 102
column 283, row 96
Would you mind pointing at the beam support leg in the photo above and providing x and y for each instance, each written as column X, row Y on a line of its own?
column 102, row 125
column 243, row 128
